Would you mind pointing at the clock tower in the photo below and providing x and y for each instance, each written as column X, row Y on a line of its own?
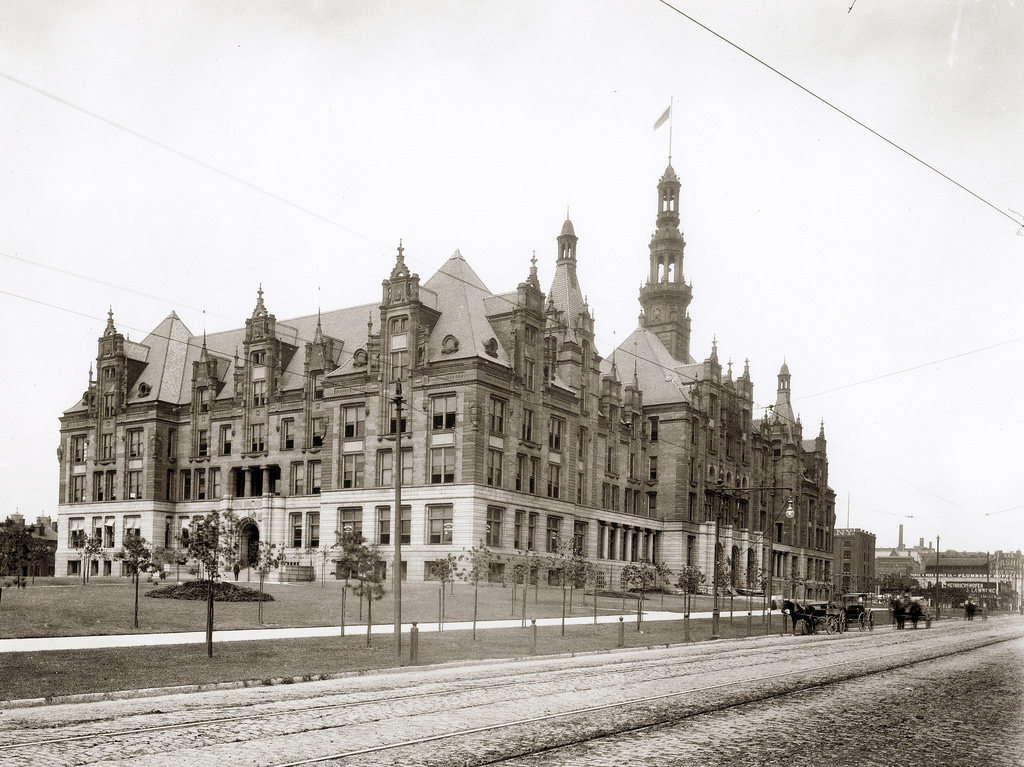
column 666, row 296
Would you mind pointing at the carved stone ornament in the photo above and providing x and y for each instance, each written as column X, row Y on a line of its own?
column 491, row 347
column 359, row 358
column 144, row 389
column 449, row 344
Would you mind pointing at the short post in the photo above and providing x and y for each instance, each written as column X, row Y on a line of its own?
column 533, row 636
column 686, row 627
column 622, row 632
column 750, row 623
column 414, row 645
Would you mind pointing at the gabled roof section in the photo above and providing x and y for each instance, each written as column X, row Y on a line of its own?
column 169, row 372
column 662, row 379
column 462, row 299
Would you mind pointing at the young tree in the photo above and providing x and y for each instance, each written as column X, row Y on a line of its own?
column 365, row 564
column 212, row 542
column 138, row 556
column 267, row 558
column 689, row 580
column 479, row 560
column 445, row 570
column 644, row 576
column 92, row 549
column 348, row 552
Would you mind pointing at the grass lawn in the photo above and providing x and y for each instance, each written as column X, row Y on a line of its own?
column 53, row 607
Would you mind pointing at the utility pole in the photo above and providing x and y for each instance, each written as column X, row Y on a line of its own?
column 397, row 566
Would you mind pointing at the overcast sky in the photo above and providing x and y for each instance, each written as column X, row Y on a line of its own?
column 172, row 156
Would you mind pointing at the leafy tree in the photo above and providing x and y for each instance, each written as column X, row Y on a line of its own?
column 15, row 549
column 92, row 549
column 643, row 576
column 212, row 542
column 40, row 550
column 445, row 570
column 689, row 580
column 349, row 551
column 138, row 556
column 479, row 560
column 267, row 558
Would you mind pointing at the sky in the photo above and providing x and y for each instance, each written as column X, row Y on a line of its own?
column 851, row 172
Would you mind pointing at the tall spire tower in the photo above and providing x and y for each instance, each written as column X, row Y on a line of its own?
column 666, row 295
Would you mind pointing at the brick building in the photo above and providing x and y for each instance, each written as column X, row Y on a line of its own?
column 855, row 558
column 516, row 433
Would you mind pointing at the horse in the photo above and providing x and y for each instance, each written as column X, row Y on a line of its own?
column 803, row 620
column 898, row 613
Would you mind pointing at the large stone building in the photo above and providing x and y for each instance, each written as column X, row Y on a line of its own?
column 855, row 555
column 516, row 433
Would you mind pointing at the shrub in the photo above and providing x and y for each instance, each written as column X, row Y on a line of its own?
column 222, row 592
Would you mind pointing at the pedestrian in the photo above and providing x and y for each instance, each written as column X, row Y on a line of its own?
column 899, row 613
column 236, row 569
column 970, row 608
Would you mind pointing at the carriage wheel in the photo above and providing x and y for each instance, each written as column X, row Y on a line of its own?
column 802, row 627
column 831, row 624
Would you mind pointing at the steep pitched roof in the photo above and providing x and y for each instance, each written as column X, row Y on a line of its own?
column 462, row 298
column 662, row 379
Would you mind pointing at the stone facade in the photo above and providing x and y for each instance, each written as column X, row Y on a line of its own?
column 516, row 433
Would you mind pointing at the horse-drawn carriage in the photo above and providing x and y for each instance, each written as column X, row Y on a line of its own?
column 812, row 617
column 855, row 606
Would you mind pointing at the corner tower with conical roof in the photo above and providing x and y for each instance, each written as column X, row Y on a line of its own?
column 666, row 296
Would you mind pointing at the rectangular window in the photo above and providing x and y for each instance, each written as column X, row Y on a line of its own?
column 225, row 439
column 494, row 461
column 517, row 530
column 579, row 538
column 135, row 443
column 203, row 443
column 295, row 526
column 554, row 480
column 107, row 446
column 259, row 393
column 393, row 419
column 350, row 521
column 186, row 485
column 609, row 460
column 442, row 412
column 315, row 477
column 109, row 410
column 653, row 428
column 78, row 488
column 132, row 527
column 385, row 467
column 288, row 434
column 97, row 486
column 529, row 375
column 494, row 521
column 298, row 478
column 580, row 484
column 76, row 533
column 384, row 525
column 108, row 533
column 256, row 437
column 555, row 427
column 317, row 430
column 652, row 472
column 497, row 416
column 313, row 523
column 134, row 485
column 352, row 417
column 215, row 483
column 554, row 533
column 200, row 484
column 531, row 531
column 203, row 395
column 526, row 432
column 399, row 366
column 442, row 465
column 521, row 471
column 652, row 504
column 440, row 524
column 78, row 448
column 534, row 478
column 172, row 443
column 352, row 466
column 581, row 444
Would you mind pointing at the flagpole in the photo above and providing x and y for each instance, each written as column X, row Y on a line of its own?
column 671, row 119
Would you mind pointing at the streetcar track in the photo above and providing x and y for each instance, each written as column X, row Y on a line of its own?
column 640, row 701
column 692, row 665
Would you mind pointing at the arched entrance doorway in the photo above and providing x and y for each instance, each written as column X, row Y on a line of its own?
column 248, row 543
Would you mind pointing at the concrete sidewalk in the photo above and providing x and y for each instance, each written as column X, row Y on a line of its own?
column 43, row 644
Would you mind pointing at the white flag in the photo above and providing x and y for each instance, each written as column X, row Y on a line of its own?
column 664, row 116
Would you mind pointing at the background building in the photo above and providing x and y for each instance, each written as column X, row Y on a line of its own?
column 516, row 434
column 855, row 558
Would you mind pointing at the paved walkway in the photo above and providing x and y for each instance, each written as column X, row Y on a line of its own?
column 40, row 644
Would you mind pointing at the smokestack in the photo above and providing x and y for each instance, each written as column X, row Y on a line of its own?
column 901, row 538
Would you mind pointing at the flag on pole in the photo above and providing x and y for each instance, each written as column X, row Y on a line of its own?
column 664, row 117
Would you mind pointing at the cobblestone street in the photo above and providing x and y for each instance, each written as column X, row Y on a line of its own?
column 770, row 700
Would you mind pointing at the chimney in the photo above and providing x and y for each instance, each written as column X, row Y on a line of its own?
column 901, row 538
